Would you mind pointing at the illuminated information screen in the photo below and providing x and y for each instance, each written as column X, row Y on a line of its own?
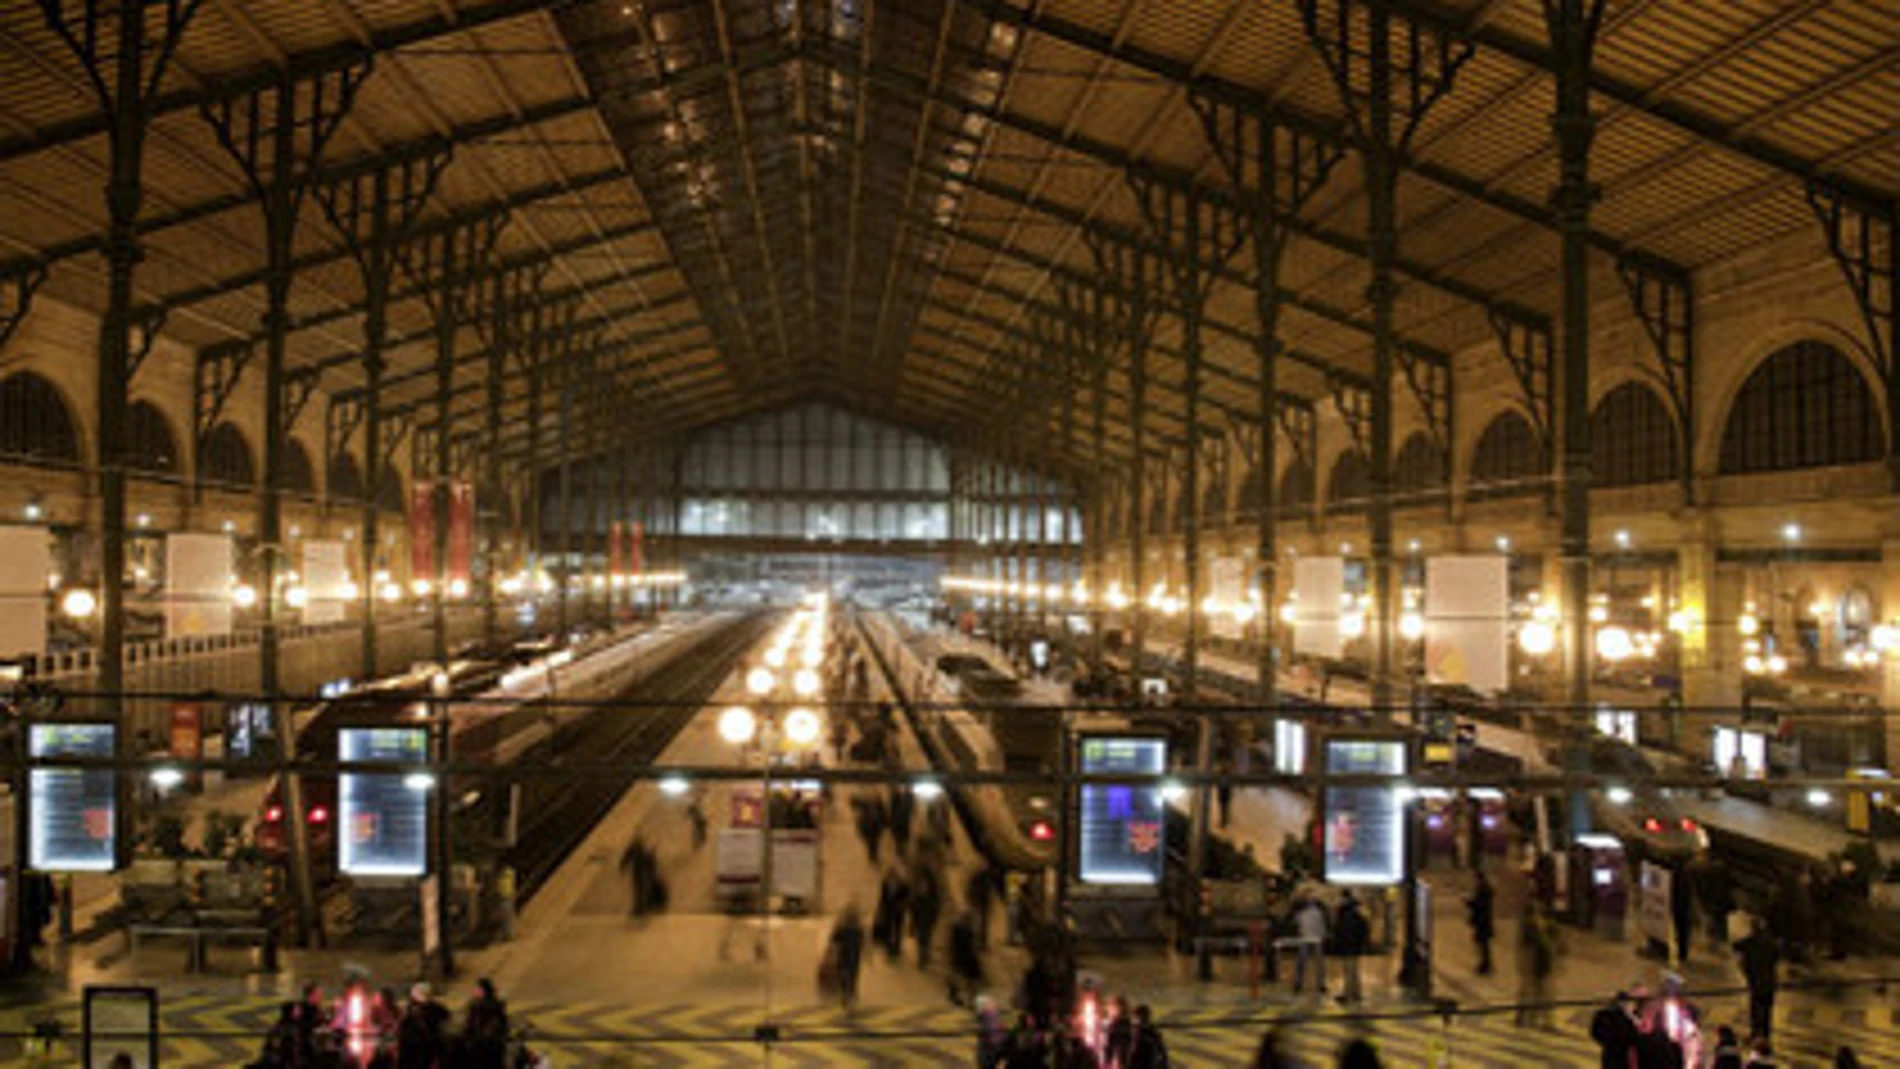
column 1365, row 825
column 384, row 821
column 1122, row 827
column 72, row 808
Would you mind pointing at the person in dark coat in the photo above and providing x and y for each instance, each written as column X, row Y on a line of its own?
column 893, row 905
column 902, row 805
column 419, row 1034
column 1150, row 1051
column 1024, row 1047
column 1481, row 909
column 1716, row 888
column 870, row 820
column 1616, row 1034
column 1682, row 911
column 1728, row 1049
column 926, row 906
column 1351, row 937
column 966, row 960
column 847, row 943
column 1655, row 1050
column 1358, row 1054
column 1761, row 960
column 485, row 1029
column 1120, row 1044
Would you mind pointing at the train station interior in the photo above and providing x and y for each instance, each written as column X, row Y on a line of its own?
column 949, row 532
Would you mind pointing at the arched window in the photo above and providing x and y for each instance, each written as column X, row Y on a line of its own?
column 1509, row 460
column 1296, row 489
column 149, row 445
column 389, row 495
column 1632, row 439
column 1418, row 474
column 1253, row 495
column 298, row 476
column 1806, row 406
column 226, row 457
column 35, row 422
column 1350, row 488
column 344, row 481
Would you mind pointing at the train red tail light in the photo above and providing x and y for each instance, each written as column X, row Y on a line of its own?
column 273, row 814
column 1042, row 831
column 319, row 815
column 1652, row 825
column 1687, row 824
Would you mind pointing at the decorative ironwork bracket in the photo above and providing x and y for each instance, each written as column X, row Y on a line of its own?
column 1528, row 347
column 1300, row 424
column 299, row 384
column 1430, row 382
column 215, row 375
column 148, row 322
column 1663, row 298
column 1354, row 404
column 17, row 288
column 1864, row 239
column 341, row 420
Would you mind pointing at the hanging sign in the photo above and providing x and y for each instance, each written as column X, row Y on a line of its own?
column 1120, row 841
column 384, row 815
column 461, row 532
column 1364, row 823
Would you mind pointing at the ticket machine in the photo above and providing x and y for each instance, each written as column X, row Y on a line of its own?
column 1436, row 814
column 1490, row 826
column 1599, row 884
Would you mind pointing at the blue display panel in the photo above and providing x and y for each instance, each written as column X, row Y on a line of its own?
column 384, row 816
column 1365, row 825
column 74, row 810
column 1122, row 827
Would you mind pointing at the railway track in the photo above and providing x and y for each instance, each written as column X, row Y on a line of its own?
column 558, row 813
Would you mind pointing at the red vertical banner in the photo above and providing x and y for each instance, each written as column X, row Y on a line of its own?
column 636, row 538
column 187, row 736
column 461, row 531
column 422, row 530
column 615, row 564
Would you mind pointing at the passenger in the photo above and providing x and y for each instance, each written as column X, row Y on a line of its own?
column 1682, row 912
column 1616, row 1034
column 847, row 948
column 1728, row 1050
column 1073, row 1052
column 1536, row 960
column 926, row 906
column 1351, row 936
column 893, row 906
column 1023, row 1048
column 1309, row 921
column 991, row 1040
column 1121, row 1035
column 1480, row 911
column 485, row 1029
column 1358, row 1054
column 966, row 961
column 1271, row 1053
column 1150, row 1051
column 419, row 1035
column 1761, row 958
column 1761, row 1054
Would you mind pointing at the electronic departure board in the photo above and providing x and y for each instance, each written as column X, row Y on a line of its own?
column 73, row 809
column 1122, row 826
column 1365, row 824
column 384, row 816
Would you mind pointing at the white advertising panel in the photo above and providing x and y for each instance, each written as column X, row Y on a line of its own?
column 1318, row 585
column 198, row 569
column 26, row 559
column 326, row 578
column 1468, row 621
column 1227, row 586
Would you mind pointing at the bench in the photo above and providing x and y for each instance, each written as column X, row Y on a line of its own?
column 196, row 936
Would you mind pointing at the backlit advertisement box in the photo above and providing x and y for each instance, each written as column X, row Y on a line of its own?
column 384, row 816
column 1365, row 824
column 1122, row 825
column 73, row 809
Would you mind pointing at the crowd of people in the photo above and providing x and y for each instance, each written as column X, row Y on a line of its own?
column 371, row 1028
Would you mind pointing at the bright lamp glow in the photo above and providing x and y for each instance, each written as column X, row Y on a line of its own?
column 458, row 588
column 802, row 727
column 1173, row 791
column 1536, row 638
column 1819, row 798
column 419, row 781
column 296, row 597
column 1618, row 795
column 805, row 682
column 1352, row 624
column 737, row 725
column 927, row 789
column 421, row 587
column 78, row 603
column 1614, row 644
column 775, row 657
column 1748, row 623
column 244, row 595
column 165, row 777
column 674, row 786
column 760, row 681
column 1411, row 626
column 390, row 593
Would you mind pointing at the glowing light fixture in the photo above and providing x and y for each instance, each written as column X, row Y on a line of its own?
column 78, row 603
column 737, row 725
column 244, row 595
column 1536, row 638
column 760, row 681
column 802, row 727
column 1411, row 626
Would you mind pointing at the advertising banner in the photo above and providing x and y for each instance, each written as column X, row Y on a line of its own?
column 383, row 818
column 326, row 579
column 73, row 810
column 198, row 571
column 461, row 532
column 1365, row 825
column 422, row 530
column 1652, row 904
column 1468, row 621
column 26, row 560
column 1319, row 584
column 187, row 735
column 1121, row 839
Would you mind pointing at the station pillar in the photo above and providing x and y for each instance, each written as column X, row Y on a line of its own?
column 1890, row 663
column 1711, row 597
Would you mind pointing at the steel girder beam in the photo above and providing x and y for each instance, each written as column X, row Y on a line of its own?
column 1225, row 200
column 1327, row 128
column 1543, row 58
column 647, row 363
